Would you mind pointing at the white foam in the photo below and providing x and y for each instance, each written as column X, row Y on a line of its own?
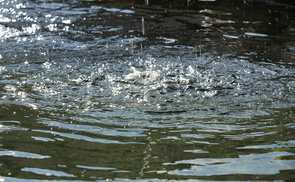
column 145, row 77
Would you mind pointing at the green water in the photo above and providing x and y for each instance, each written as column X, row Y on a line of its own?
column 147, row 91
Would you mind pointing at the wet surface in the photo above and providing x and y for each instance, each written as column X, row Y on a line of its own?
column 147, row 90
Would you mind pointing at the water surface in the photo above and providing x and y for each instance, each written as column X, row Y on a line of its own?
column 147, row 91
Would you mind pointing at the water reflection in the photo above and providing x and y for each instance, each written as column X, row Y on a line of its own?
column 202, row 24
column 146, row 90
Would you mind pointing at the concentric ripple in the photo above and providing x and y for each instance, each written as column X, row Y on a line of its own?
column 145, row 91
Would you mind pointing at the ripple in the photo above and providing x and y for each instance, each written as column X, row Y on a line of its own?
column 44, row 139
column 245, row 164
column 10, row 126
column 96, row 168
column 202, row 95
column 277, row 144
column 85, row 138
column 47, row 172
column 22, row 154
column 256, row 34
column 94, row 129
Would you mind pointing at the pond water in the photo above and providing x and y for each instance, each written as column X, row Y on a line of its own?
column 146, row 90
